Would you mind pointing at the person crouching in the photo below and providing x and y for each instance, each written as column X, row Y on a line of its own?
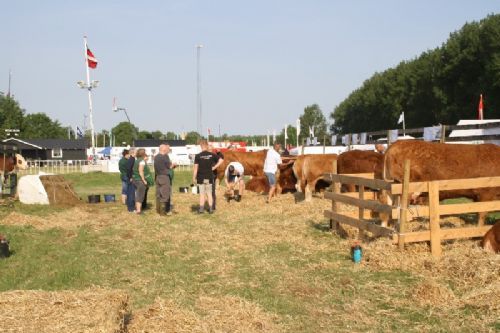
column 234, row 178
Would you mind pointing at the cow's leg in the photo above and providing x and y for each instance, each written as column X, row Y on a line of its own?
column 385, row 199
column 308, row 192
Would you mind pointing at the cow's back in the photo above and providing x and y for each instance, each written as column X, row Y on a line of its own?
column 440, row 161
column 358, row 161
column 316, row 165
column 253, row 162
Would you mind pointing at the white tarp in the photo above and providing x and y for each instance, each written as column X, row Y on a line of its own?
column 31, row 191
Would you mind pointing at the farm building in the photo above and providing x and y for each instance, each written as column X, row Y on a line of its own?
column 50, row 149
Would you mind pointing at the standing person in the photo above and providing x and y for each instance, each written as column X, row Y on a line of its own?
column 219, row 159
column 131, row 186
column 162, row 167
column 122, row 166
column 273, row 159
column 203, row 175
column 142, row 178
column 234, row 177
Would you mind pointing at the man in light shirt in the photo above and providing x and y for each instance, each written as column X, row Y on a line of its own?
column 273, row 159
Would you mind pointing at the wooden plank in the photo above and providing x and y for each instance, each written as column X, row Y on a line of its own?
column 450, row 184
column 368, row 195
column 434, row 219
column 470, row 207
column 371, row 183
column 446, row 234
column 336, row 189
column 361, row 212
column 360, row 175
column 368, row 204
column 404, row 202
column 368, row 225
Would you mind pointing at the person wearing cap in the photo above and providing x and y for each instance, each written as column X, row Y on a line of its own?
column 234, row 176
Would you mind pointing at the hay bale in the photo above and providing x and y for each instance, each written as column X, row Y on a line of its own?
column 59, row 191
column 88, row 311
column 223, row 314
column 431, row 292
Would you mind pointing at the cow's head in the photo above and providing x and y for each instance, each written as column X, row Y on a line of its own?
column 21, row 162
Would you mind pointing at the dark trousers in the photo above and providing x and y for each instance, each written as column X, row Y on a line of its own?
column 145, row 201
column 131, row 197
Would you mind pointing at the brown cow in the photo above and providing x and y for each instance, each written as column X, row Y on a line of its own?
column 297, row 171
column 286, row 181
column 253, row 162
column 439, row 161
column 358, row 161
column 491, row 240
column 258, row 184
column 313, row 168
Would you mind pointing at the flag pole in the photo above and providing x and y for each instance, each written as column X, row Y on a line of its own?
column 89, row 87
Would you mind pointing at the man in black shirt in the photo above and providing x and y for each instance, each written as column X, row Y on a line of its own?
column 203, row 175
column 219, row 159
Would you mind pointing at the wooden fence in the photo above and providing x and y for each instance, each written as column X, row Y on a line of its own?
column 398, row 210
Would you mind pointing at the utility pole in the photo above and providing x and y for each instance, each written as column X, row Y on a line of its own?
column 199, row 125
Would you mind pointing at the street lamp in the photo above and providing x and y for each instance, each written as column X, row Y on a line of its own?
column 89, row 85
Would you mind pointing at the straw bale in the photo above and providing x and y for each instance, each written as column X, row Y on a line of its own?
column 87, row 311
column 59, row 191
column 223, row 314
column 431, row 292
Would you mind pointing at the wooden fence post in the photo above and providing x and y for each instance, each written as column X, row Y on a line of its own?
column 442, row 139
column 361, row 212
column 336, row 189
column 403, row 213
column 434, row 219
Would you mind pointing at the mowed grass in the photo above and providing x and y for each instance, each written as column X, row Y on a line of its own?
column 280, row 257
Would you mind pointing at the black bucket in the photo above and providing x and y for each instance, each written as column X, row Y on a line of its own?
column 184, row 189
column 109, row 198
column 94, row 198
column 4, row 248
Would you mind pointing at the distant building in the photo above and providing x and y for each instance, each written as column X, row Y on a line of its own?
column 50, row 149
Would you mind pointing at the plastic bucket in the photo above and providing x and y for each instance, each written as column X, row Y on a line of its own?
column 109, row 198
column 94, row 198
column 194, row 189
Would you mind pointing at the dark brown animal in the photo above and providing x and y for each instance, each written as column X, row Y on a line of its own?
column 358, row 161
column 286, row 179
column 491, row 240
column 439, row 161
column 253, row 162
column 313, row 168
column 258, row 184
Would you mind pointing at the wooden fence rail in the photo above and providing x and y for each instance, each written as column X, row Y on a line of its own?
column 401, row 212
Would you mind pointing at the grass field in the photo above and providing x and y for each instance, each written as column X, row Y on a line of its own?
column 278, row 263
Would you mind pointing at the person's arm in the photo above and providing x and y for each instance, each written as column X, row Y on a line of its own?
column 195, row 173
column 141, row 173
column 219, row 162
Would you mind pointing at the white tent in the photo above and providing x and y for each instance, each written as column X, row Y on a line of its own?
column 479, row 131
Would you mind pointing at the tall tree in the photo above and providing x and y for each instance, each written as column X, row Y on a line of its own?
column 170, row 136
column 312, row 117
column 124, row 133
column 192, row 138
column 11, row 115
column 40, row 126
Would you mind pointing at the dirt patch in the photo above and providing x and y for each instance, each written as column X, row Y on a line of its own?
column 93, row 310
column 59, row 191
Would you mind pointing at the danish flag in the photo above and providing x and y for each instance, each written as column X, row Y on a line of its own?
column 91, row 60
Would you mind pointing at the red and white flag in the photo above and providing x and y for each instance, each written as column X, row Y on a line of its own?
column 91, row 60
column 480, row 108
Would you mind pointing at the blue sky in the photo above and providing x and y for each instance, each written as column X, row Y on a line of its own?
column 263, row 61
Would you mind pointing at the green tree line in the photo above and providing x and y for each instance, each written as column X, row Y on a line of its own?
column 439, row 86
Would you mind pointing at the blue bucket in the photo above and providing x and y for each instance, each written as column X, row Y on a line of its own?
column 109, row 198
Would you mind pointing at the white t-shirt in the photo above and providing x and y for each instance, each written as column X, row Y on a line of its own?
column 272, row 161
column 238, row 167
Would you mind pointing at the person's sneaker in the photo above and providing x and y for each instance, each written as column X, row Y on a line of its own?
column 237, row 198
column 210, row 211
column 201, row 211
column 168, row 213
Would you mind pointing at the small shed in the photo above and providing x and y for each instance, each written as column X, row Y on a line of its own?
column 50, row 149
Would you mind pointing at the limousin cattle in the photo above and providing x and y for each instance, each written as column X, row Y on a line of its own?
column 358, row 161
column 253, row 162
column 286, row 179
column 313, row 168
column 297, row 171
column 491, row 240
column 439, row 161
column 258, row 184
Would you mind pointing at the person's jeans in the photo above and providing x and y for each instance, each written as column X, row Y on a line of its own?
column 130, row 197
